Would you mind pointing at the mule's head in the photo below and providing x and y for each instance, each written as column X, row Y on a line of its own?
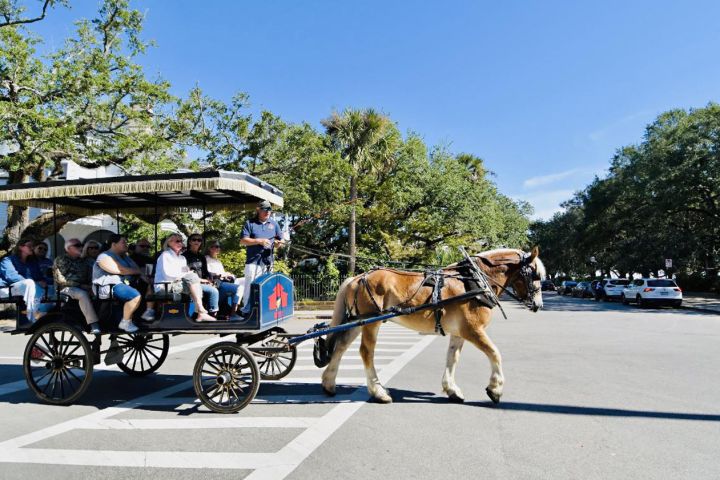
column 518, row 270
column 526, row 280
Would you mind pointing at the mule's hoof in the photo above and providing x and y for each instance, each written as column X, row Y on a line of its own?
column 381, row 399
column 455, row 398
column 329, row 393
column 493, row 396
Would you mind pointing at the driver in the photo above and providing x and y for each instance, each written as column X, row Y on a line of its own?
column 260, row 234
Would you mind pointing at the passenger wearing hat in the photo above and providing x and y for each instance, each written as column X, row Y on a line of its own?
column 260, row 234
column 73, row 277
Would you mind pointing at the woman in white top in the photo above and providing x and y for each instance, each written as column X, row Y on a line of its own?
column 171, row 268
column 228, row 285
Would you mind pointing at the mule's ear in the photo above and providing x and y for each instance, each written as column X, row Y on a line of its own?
column 533, row 254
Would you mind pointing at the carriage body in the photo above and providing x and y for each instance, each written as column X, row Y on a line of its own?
column 60, row 354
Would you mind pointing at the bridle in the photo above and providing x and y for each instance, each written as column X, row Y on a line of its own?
column 529, row 276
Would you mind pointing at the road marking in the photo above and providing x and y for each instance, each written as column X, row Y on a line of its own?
column 308, row 441
column 12, row 387
column 200, row 423
column 266, row 466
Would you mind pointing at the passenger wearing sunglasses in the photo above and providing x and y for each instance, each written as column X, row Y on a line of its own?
column 197, row 264
column 172, row 272
column 40, row 251
column 21, row 272
column 228, row 286
column 113, row 272
column 73, row 278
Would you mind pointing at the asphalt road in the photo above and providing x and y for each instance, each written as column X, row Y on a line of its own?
column 593, row 391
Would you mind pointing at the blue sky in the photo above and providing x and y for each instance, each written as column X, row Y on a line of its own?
column 544, row 91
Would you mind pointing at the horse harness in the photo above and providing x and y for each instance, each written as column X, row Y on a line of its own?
column 436, row 280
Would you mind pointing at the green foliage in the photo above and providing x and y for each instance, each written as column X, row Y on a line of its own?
column 90, row 101
column 660, row 200
column 233, row 261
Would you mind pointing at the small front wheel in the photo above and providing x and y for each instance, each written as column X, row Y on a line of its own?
column 226, row 377
column 275, row 365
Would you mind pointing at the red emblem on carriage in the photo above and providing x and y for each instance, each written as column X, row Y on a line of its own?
column 278, row 300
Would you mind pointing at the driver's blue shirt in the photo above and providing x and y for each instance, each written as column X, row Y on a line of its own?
column 255, row 229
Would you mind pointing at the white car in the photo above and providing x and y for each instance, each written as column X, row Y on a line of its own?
column 653, row 291
column 613, row 288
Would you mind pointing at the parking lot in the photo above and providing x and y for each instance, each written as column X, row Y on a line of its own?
column 593, row 390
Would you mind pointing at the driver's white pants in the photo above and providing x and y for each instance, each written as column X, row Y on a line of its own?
column 252, row 271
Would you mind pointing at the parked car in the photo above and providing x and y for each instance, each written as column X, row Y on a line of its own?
column 566, row 287
column 613, row 288
column 653, row 291
column 547, row 286
column 582, row 290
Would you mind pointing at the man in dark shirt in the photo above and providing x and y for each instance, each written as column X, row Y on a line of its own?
column 260, row 234
column 141, row 253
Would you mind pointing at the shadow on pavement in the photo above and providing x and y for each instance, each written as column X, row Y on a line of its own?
column 596, row 411
column 556, row 303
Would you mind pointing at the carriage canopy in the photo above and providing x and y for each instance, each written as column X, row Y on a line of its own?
column 146, row 194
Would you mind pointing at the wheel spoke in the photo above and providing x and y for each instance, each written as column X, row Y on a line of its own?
column 37, row 380
column 149, row 352
column 50, row 349
column 149, row 361
column 70, row 372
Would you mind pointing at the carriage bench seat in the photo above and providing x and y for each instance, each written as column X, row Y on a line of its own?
column 6, row 296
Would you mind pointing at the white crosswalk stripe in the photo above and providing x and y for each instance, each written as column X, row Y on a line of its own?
column 396, row 347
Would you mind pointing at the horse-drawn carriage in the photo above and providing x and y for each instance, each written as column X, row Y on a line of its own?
column 60, row 354
column 457, row 300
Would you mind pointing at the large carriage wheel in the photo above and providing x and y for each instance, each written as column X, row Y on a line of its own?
column 58, row 363
column 143, row 353
column 275, row 365
column 226, row 377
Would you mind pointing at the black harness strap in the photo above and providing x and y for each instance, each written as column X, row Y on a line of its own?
column 439, row 283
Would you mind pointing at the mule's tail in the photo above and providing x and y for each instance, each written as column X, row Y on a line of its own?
column 340, row 308
column 324, row 347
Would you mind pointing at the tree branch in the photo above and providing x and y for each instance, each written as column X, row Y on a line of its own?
column 8, row 22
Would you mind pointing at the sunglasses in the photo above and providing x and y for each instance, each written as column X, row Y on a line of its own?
column 195, row 240
column 92, row 248
column 143, row 246
column 215, row 246
column 77, row 245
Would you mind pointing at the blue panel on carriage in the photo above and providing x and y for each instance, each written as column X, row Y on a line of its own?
column 271, row 297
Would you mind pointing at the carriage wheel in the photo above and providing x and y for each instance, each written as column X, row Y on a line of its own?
column 226, row 377
column 142, row 353
column 58, row 363
column 275, row 365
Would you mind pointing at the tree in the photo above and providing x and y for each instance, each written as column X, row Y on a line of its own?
column 367, row 141
column 87, row 102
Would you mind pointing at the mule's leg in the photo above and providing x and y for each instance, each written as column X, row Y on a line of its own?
column 342, row 342
column 448, row 381
column 367, row 352
column 481, row 340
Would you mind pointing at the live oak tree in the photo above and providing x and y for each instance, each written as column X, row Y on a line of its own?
column 88, row 102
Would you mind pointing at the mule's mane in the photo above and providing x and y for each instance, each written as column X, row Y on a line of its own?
column 512, row 252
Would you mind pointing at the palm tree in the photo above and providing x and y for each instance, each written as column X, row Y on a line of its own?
column 367, row 140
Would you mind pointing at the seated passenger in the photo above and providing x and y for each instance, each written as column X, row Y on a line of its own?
column 227, row 284
column 113, row 272
column 197, row 264
column 172, row 268
column 72, row 277
column 45, row 265
column 20, row 271
column 90, row 252
column 141, row 253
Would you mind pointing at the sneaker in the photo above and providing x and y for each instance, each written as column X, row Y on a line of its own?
column 128, row 326
column 95, row 328
column 148, row 315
